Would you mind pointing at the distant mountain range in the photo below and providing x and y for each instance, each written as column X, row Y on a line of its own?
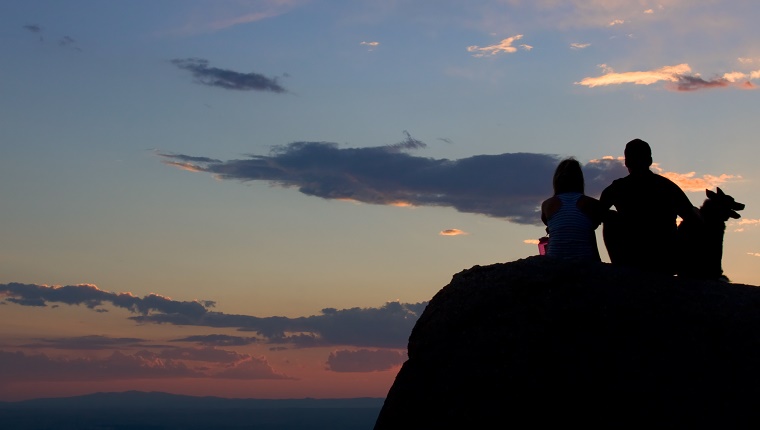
column 132, row 410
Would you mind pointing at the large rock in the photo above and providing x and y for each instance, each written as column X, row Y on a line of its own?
column 541, row 341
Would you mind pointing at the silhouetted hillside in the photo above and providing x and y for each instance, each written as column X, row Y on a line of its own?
column 139, row 410
column 541, row 341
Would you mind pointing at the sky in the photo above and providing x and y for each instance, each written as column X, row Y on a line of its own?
column 258, row 198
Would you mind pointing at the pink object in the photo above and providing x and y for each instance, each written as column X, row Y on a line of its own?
column 542, row 244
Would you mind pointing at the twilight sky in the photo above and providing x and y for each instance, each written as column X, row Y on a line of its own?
column 257, row 198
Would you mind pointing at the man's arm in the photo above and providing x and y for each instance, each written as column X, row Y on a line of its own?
column 684, row 208
column 607, row 199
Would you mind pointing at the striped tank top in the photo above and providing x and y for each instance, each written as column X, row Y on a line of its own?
column 571, row 232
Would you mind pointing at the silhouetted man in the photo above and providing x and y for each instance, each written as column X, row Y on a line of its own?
column 642, row 231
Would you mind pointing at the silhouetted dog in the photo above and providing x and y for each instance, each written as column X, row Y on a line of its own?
column 700, row 245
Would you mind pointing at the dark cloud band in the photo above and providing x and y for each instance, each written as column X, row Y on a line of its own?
column 509, row 186
column 387, row 327
column 227, row 79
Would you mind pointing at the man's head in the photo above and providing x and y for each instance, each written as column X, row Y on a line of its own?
column 638, row 155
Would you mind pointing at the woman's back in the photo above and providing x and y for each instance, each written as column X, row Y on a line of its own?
column 571, row 231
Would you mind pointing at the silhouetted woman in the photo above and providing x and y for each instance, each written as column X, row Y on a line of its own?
column 571, row 216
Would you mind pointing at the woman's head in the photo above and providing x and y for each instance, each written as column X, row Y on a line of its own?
column 568, row 177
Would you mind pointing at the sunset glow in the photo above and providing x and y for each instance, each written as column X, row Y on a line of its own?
column 174, row 174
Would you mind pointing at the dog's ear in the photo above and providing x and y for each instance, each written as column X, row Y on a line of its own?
column 720, row 192
column 710, row 194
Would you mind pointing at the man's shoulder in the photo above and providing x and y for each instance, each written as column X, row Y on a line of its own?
column 662, row 181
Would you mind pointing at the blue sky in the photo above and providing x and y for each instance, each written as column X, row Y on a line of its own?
column 332, row 163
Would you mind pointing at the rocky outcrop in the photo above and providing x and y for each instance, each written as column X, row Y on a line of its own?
column 541, row 341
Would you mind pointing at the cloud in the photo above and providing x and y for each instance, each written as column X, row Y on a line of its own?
column 677, row 77
column 91, row 342
column 531, row 241
column 34, row 28
column 615, row 22
column 747, row 221
column 579, row 45
column 505, row 46
column 387, row 326
column 212, row 16
column 18, row 366
column 250, row 368
column 227, row 79
column 364, row 360
column 143, row 364
column 388, row 175
column 452, row 232
column 754, row 254
column 689, row 181
column 667, row 73
column 91, row 296
column 66, row 41
column 371, row 45
column 218, row 340
column 739, row 225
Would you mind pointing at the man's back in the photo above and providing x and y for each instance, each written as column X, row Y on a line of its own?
column 642, row 231
column 647, row 203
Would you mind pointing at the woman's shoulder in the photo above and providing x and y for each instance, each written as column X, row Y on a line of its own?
column 551, row 202
column 549, row 207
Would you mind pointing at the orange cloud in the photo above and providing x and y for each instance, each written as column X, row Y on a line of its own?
column 689, row 181
column 371, row 45
column 452, row 232
column 667, row 73
column 184, row 166
column 678, row 78
column 748, row 222
column 744, row 222
column 754, row 254
column 505, row 46
column 615, row 22
column 531, row 241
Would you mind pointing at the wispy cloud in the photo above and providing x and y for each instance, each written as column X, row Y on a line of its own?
column 364, row 360
column 387, row 326
column 370, row 45
column 688, row 182
column 227, row 79
column 615, row 22
column 740, row 224
column 34, row 28
column 218, row 340
column 579, row 45
column 677, row 77
column 503, row 47
column 142, row 364
column 212, row 16
column 91, row 342
column 452, row 232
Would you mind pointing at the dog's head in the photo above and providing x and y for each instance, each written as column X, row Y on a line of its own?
column 721, row 205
